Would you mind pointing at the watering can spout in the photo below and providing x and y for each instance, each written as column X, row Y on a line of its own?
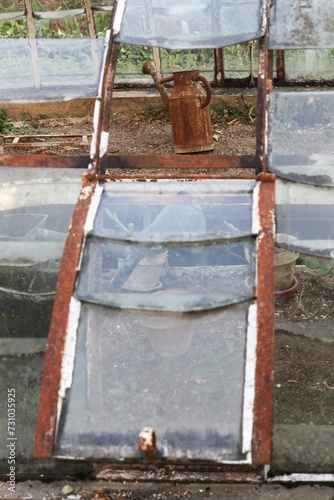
column 149, row 69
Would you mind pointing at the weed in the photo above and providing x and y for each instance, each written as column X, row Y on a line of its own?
column 155, row 113
column 224, row 113
column 5, row 127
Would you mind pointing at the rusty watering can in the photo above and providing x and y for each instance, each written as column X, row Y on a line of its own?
column 188, row 107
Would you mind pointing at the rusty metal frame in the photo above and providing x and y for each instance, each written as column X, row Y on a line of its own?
column 99, row 162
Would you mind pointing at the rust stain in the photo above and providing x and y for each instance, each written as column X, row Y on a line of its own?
column 46, row 423
column 45, row 161
column 263, row 404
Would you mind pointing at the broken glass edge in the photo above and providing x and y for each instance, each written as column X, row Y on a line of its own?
column 316, row 175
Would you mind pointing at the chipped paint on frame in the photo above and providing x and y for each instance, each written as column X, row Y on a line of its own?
column 67, row 365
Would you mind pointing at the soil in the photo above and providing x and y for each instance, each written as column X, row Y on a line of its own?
column 304, row 380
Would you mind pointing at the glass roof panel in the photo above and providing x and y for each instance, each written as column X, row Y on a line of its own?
column 195, row 237
column 49, row 69
column 301, row 136
column 138, row 277
column 175, row 24
column 296, row 24
column 174, row 211
column 183, row 376
column 305, row 216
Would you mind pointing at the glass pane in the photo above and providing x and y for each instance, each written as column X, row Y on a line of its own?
column 203, row 24
column 301, row 135
column 310, row 64
column 44, row 5
column 169, row 211
column 305, row 216
column 67, row 69
column 34, row 219
column 296, row 24
column 177, row 278
column 182, row 60
column 237, row 60
column 63, row 24
column 153, row 236
column 182, row 375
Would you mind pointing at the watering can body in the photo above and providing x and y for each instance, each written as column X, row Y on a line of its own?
column 188, row 107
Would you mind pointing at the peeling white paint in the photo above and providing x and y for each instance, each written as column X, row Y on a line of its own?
column 249, row 387
column 96, row 198
column 69, row 352
column 104, row 143
column 296, row 477
column 86, row 192
column 118, row 16
column 256, row 210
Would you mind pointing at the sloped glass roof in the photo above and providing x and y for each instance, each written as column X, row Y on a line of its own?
column 175, row 24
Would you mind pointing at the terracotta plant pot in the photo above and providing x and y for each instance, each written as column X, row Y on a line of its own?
column 145, row 276
column 168, row 332
column 285, row 263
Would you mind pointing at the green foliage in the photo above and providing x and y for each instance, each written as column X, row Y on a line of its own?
column 155, row 113
column 319, row 266
column 132, row 57
column 13, row 29
column 224, row 113
column 5, row 127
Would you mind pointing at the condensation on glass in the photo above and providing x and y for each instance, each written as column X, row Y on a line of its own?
column 203, row 24
column 301, row 24
column 36, row 206
column 163, row 323
column 301, row 136
column 49, row 69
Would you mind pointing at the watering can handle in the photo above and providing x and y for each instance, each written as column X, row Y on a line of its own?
column 206, row 101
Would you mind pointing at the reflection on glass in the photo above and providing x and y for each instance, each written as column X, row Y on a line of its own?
column 305, row 215
column 168, row 211
column 203, row 24
column 204, row 276
column 302, row 124
column 34, row 219
column 65, row 69
column 181, row 374
column 296, row 24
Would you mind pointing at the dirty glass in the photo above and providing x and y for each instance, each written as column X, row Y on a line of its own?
column 49, row 69
column 159, row 262
column 179, row 374
column 146, row 237
column 305, row 214
column 297, row 24
column 301, row 136
column 309, row 64
column 203, row 24
column 36, row 206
